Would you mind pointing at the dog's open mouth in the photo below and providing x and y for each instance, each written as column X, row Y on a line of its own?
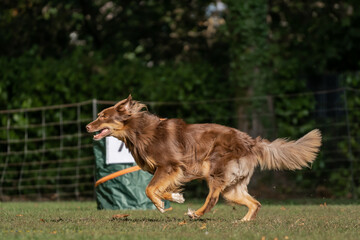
column 103, row 133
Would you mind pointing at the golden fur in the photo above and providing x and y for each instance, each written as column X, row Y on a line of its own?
column 176, row 152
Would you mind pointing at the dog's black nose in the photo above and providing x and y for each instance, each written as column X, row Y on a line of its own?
column 88, row 128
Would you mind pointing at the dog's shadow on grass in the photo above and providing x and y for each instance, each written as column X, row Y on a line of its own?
column 136, row 220
column 133, row 220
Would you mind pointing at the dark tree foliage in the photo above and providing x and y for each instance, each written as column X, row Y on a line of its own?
column 55, row 52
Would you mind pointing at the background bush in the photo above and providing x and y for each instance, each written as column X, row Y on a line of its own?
column 55, row 52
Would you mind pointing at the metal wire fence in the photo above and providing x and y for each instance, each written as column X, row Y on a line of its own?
column 46, row 153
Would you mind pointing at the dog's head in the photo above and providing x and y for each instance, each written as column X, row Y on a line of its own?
column 112, row 121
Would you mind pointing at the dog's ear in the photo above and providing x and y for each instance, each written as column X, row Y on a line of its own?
column 124, row 105
column 127, row 107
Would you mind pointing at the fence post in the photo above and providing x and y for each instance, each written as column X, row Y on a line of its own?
column 43, row 137
column 94, row 114
column 61, row 147
column 78, row 120
column 94, row 108
column 351, row 157
column 26, row 136
column 8, row 150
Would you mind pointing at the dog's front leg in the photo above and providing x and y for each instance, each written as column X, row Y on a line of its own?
column 174, row 197
column 156, row 190
column 153, row 194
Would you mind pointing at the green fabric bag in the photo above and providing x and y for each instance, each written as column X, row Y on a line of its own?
column 123, row 192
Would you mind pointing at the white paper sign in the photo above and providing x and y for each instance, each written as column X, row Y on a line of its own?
column 116, row 152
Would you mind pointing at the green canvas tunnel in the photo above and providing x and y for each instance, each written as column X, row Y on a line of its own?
column 123, row 192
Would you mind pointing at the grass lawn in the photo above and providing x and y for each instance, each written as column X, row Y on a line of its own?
column 81, row 220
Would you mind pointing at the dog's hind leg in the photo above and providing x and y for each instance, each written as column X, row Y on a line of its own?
column 163, row 180
column 238, row 194
column 210, row 202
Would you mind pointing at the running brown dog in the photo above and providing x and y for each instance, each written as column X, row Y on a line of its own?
column 176, row 153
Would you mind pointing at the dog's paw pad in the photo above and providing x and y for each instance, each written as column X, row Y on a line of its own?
column 178, row 197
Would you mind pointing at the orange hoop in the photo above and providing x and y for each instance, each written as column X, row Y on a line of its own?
column 117, row 174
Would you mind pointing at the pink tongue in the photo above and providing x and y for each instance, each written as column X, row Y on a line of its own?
column 103, row 132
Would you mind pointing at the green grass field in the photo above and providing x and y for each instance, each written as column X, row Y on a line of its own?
column 81, row 220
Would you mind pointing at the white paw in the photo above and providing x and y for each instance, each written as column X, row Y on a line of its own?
column 177, row 197
column 244, row 219
column 191, row 213
column 161, row 207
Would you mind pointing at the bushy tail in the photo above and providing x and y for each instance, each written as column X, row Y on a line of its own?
column 282, row 154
